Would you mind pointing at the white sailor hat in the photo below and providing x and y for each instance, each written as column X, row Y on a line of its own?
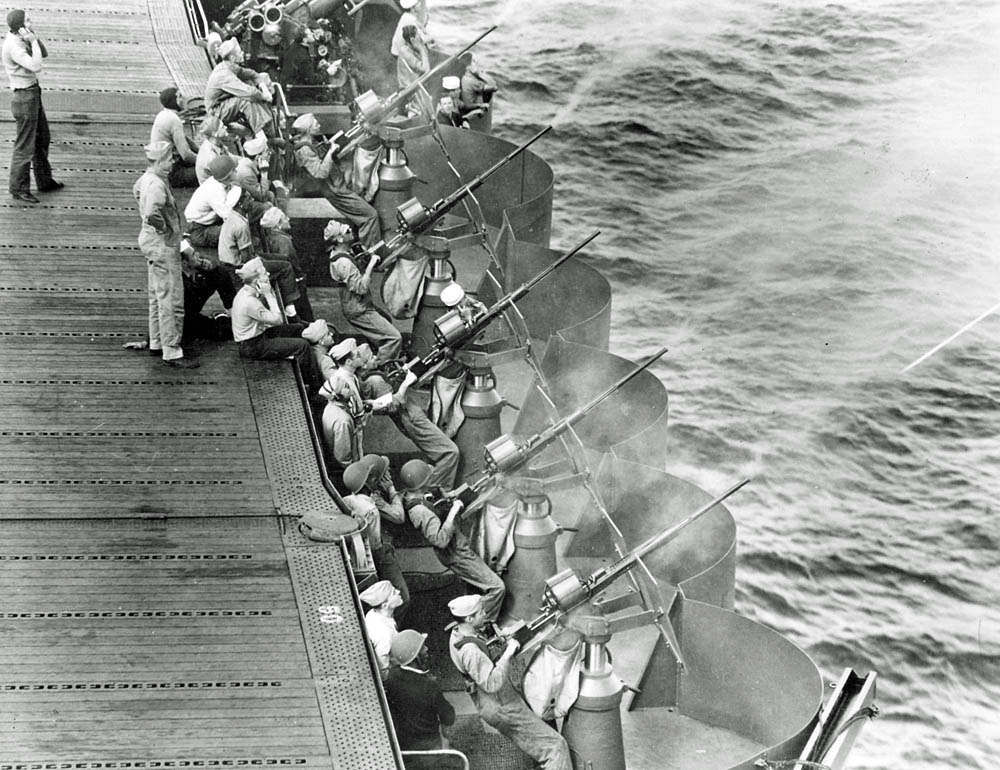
column 377, row 594
column 343, row 348
column 466, row 605
column 407, row 4
column 252, row 268
column 303, row 122
column 452, row 294
column 255, row 146
column 158, row 150
column 271, row 217
column 228, row 47
column 451, row 83
column 316, row 331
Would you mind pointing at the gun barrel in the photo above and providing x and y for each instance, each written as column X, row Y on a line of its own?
column 446, row 203
column 604, row 577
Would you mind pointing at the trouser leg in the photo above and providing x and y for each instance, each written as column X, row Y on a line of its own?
column 535, row 738
column 388, row 568
column 204, row 235
column 467, row 565
column 431, row 440
column 182, row 176
column 381, row 332
column 40, row 159
column 24, row 107
column 165, row 292
column 357, row 212
column 284, row 278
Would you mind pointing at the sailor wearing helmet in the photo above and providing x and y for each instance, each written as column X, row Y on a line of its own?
column 488, row 683
column 419, row 708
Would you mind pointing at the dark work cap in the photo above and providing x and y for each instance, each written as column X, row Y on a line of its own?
column 168, row 98
column 15, row 19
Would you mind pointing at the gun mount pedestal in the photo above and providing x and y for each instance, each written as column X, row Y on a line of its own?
column 593, row 726
column 437, row 275
column 534, row 559
column 395, row 179
column 482, row 405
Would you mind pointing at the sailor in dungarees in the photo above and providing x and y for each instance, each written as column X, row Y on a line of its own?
column 488, row 682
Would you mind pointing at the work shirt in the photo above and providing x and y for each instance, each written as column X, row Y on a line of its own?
column 22, row 60
column 234, row 238
column 418, row 706
column 247, row 179
column 208, row 152
column 229, row 79
column 475, row 664
column 168, row 127
column 340, row 433
column 250, row 317
column 381, row 631
column 157, row 208
column 407, row 19
column 364, row 511
column 435, row 531
column 315, row 164
column 355, row 298
column 212, row 202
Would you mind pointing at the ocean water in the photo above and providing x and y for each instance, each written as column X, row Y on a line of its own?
column 799, row 200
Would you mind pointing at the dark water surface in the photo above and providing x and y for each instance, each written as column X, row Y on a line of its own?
column 799, row 200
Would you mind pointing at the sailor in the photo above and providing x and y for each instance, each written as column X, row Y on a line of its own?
column 250, row 169
column 453, row 296
column 297, row 66
column 321, row 336
column 159, row 241
column 407, row 414
column 477, row 90
column 236, row 248
column 383, row 600
column 415, row 14
column 447, row 109
column 168, row 127
column 450, row 543
column 215, row 135
column 376, row 483
column 319, row 171
column 259, row 328
column 356, row 299
column 235, row 93
column 420, row 711
column 212, row 202
column 345, row 415
column 488, row 683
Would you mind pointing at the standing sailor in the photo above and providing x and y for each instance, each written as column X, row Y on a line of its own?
column 488, row 682
column 159, row 241
column 22, row 58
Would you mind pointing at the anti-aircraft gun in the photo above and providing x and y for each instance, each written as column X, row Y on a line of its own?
column 416, row 218
column 568, row 590
column 504, row 455
column 371, row 110
column 456, row 328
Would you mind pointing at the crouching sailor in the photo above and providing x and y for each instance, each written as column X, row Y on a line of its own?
column 489, row 684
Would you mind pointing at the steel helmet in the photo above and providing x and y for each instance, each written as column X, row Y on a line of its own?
column 355, row 476
column 405, row 646
column 414, row 474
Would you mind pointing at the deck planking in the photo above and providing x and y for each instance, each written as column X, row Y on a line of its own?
column 159, row 608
